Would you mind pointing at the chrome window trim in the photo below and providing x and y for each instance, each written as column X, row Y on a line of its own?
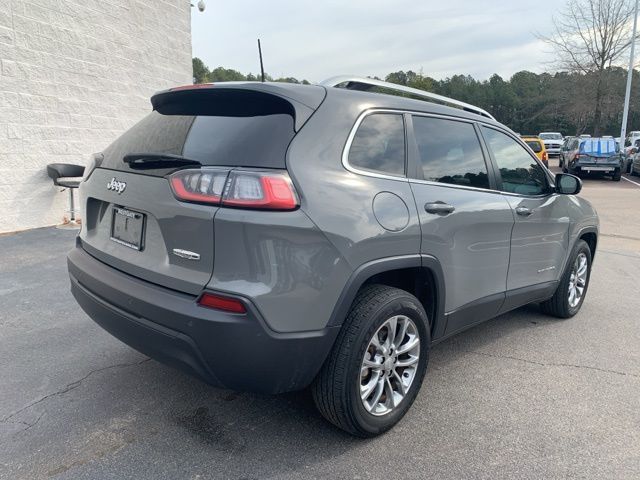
column 451, row 185
column 405, row 178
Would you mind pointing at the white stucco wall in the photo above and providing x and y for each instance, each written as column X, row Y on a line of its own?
column 73, row 75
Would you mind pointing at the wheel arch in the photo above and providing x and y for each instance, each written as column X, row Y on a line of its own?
column 589, row 235
column 420, row 275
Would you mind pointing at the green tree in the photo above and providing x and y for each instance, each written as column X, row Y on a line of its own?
column 222, row 74
column 590, row 37
column 399, row 78
column 528, row 102
column 200, row 71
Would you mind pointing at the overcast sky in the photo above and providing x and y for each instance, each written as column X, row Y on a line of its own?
column 318, row 39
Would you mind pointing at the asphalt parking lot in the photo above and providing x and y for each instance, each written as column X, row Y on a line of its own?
column 522, row 396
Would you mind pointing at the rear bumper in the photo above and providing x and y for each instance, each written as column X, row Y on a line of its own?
column 224, row 349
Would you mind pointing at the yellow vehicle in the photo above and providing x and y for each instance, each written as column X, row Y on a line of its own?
column 537, row 145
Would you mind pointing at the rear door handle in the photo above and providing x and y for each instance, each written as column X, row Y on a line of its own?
column 524, row 211
column 439, row 208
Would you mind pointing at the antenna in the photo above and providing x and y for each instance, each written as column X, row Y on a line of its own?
column 261, row 65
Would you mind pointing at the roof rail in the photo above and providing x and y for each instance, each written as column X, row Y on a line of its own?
column 362, row 83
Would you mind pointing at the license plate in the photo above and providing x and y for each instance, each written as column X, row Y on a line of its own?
column 127, row 228
column 598, row 169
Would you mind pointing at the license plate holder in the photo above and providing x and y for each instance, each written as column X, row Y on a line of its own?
column 598, row 169
column 127, row 228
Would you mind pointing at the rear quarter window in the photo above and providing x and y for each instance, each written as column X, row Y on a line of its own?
column 379, row 145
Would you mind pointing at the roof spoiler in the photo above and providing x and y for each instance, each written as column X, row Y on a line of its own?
column 362, row 83
column 240, row 99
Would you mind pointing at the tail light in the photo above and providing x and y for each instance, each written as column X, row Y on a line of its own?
column 201, row 186
column 219, row 302
column 266, row 190
column 545, row 156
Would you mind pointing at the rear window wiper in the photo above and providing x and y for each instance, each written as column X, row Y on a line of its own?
column 157, row 160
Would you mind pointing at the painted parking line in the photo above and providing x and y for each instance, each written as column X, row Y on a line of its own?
column 631, row 181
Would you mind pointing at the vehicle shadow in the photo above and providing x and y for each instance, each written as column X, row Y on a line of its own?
column 166, row 424
column 287, row 429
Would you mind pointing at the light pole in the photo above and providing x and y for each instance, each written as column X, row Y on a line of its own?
column 625, row 113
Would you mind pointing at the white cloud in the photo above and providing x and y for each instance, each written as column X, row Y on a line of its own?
column 315, row 40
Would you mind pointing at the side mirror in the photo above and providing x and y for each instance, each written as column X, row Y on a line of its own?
column 567, row 184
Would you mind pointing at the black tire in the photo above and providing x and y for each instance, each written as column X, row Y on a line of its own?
column 335, row 389
column 617, row 175
column 558, row 305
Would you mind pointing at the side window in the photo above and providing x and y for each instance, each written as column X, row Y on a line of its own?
column 450, row 152
column 520, row 173
column 378, row 145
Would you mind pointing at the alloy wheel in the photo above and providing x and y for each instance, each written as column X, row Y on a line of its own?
column 389, row 365
column 578, row 280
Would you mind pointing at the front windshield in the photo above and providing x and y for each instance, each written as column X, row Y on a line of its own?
column 550, row 136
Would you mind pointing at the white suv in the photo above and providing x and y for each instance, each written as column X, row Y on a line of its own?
column 552, row 142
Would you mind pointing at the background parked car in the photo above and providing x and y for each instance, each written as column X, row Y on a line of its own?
column 629, row 154
column 552, row 142
column 634, row 160
column 537, row 145
column 630, row 143
column 632, row 137
column 592, row 155
column 567, row 142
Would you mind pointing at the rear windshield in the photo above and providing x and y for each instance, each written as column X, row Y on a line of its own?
column 599, row 147
column 242, row 141
column 535, row 145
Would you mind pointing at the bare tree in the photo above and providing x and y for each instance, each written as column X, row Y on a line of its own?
column 589, row 37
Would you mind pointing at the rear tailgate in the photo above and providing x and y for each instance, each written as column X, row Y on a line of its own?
column 166, row 223
column 133, row 220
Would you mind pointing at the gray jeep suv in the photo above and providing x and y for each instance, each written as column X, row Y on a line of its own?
column 270, row 237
